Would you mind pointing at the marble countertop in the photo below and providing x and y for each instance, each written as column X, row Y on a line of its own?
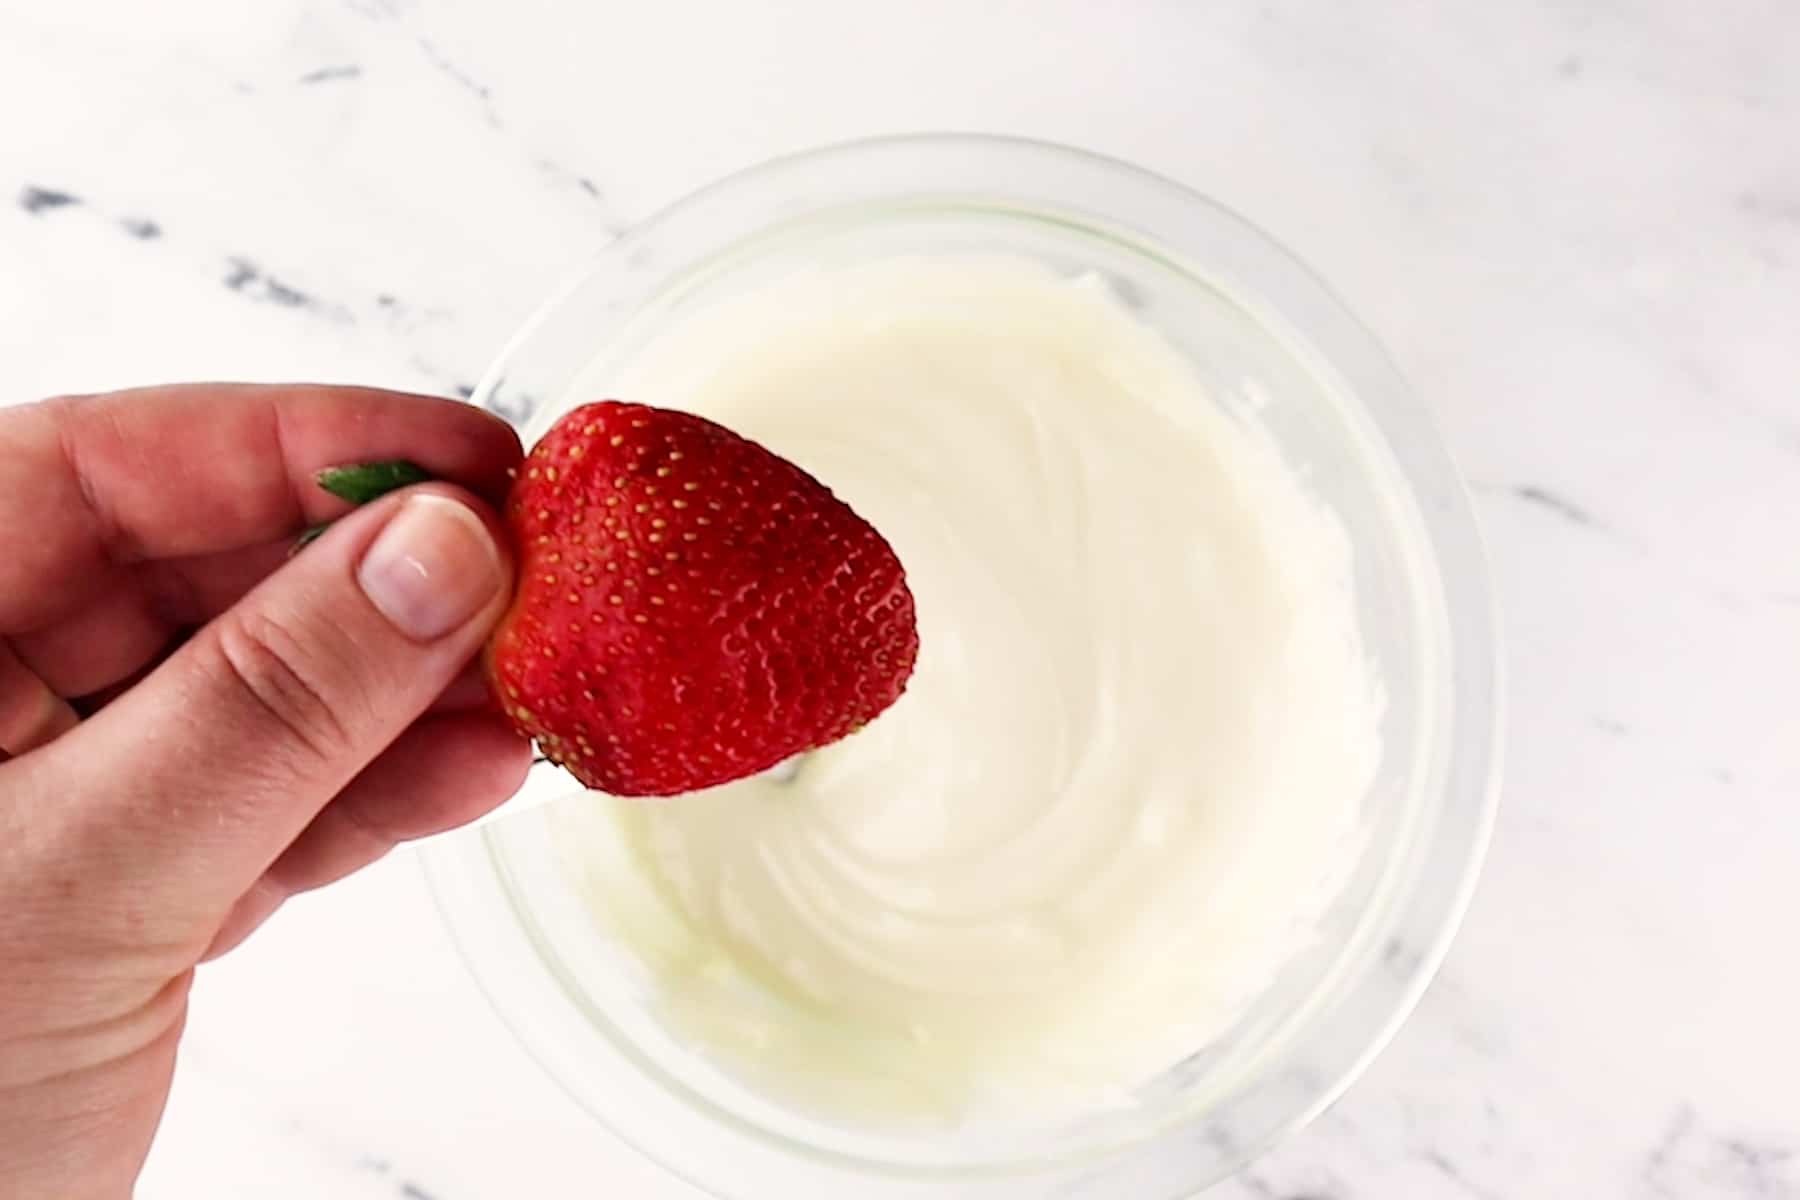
column 1576, row 224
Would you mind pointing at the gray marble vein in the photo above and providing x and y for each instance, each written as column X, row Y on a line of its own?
column 1543, row 497
column 460, row 77
column 36, row 200
column 342, row 72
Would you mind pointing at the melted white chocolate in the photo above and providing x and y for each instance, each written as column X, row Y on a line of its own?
column 1129, row 768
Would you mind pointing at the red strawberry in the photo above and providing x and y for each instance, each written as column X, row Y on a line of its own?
column 691, row 608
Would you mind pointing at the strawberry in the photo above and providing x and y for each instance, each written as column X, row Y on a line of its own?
column 691, row 608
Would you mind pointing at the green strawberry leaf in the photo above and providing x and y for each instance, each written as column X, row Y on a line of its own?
column 312, row 534
column 360, row 483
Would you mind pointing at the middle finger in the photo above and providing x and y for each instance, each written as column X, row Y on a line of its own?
column 107, row 640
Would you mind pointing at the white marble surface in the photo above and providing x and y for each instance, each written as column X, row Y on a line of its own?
column 1576, row 223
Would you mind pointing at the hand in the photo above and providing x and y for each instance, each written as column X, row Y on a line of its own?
column 194, row 727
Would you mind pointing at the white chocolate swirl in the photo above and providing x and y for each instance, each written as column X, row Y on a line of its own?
column 1130, row 764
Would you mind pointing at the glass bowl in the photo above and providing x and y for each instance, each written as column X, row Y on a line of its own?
column 1265, row 335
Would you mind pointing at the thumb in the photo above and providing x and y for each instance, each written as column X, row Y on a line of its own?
column 185, row 788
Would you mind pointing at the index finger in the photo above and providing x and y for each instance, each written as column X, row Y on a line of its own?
column 90, row 482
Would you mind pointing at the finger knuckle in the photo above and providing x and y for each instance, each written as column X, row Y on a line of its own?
column 291, row 679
